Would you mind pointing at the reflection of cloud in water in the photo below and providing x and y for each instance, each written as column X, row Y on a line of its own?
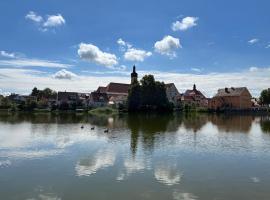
column 31, row 153
column 131, row 166
column 183, row 196
column 255, row 179
column 167, row 174
column 102, row 159
column 5, row 163
column 45, row 197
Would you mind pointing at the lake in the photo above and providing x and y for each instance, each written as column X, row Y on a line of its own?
column 187, row 157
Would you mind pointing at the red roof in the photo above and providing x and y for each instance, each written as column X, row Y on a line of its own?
column 117, row 88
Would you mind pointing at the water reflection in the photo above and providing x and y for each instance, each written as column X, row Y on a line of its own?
column 102, row 159
column 265, row 124
column 151, row 155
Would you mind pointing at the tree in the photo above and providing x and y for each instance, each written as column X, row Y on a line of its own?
column 35, row 92
column 265, row 97
column 149, row 95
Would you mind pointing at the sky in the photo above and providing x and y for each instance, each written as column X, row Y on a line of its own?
column 79, row 45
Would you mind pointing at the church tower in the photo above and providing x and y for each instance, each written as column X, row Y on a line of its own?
column 134, row 75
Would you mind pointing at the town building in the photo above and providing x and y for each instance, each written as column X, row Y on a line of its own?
column 172, row 93
column 98, row 99
column 231, row 98
column 194, row 97
column 67, row 97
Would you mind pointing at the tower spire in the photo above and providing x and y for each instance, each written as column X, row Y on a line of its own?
column 134, row 75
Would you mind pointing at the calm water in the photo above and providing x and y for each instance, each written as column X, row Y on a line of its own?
column 196, row 157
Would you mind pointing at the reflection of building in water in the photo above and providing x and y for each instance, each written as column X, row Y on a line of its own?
column 232, row 123
column 194, row 122
column 265, row 124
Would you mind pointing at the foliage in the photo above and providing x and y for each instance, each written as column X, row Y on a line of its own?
column 148, row 95
column 5, row 103
column 103, row 111
column 47, row 93
column 265, row 97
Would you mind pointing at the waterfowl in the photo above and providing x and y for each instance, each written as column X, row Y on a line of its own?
column 92, row 128
column 82, row 127
column 106, row 130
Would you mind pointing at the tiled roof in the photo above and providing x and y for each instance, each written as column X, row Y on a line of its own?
column 117, row 88
column 193, row 92
column 231, row 91
column 101, row 89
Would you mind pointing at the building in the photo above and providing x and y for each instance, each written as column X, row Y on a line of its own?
column 231, row 98
column 172, row 93
column 67, row 97
column 98, row 99
column 194, row 97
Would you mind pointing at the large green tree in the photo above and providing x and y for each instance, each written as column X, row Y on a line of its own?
column 265, row 97
column 148, row 95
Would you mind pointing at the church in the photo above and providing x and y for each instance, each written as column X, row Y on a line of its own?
column 116, row 93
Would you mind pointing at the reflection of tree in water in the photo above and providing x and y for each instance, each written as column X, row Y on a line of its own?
column 149, row 125
column 265, row 124
column 232, row 123
column 194, row 121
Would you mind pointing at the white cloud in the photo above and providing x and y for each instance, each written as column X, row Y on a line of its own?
column 54, row 21
column 34, row 17
column 133, row 54
column 186, row 23
column 33, row 63
column 64, row 74
column 92, row 53
column 121, row 42
column 253, row 41
column 6, row 54
column 196, row 69
column 167, row 46
column 268, row 46
column 253, row 69
column 21, row 80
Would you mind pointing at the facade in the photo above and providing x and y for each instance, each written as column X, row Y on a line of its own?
column 67, row 97
column 194, row 97
column 172, row 93
column 98, row 99
column 231, row 98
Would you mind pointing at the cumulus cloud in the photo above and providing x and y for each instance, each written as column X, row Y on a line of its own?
column 6, row 54
column 133, row 54
column 253, row 69
column 34, row 17
column 253, row 41
column 167, row 46
column 51, row 21
column 184, row 24
column 268, row 46
column 64, row 74
column 92, row 53
column 54, row 21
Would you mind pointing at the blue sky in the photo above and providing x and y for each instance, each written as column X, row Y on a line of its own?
column 78, row 45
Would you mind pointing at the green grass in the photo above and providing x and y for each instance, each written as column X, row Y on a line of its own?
column 103, row 111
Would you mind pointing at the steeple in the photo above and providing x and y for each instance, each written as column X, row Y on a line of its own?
column 194, row 87
column 134, row 75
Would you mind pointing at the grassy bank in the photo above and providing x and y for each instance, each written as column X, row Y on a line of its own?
column 103, row 111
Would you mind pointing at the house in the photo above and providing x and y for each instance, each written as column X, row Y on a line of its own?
column 194, row 97
column 231, row 98
column 16, row 98
column 172, row 93
column 98, row 99
column 67, row 97
column 117, row 100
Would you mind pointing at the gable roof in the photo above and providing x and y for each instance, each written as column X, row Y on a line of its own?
column 117, row 88
column 231, row 91
column 193, row 93
column 101, row 89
